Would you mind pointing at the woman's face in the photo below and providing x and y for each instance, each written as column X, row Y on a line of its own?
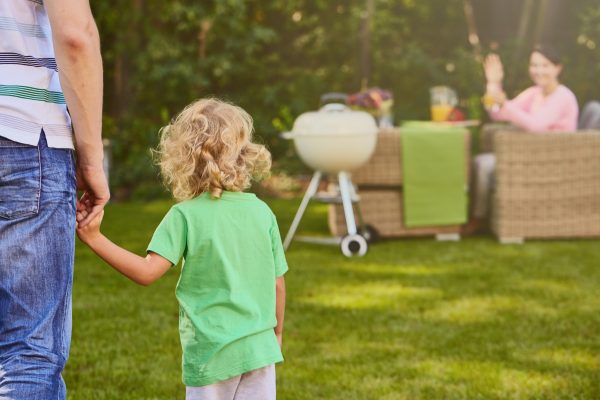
column 543, row 72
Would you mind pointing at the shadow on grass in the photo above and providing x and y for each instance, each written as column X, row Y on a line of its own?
column 447, row 321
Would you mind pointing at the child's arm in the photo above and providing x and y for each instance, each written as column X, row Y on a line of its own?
column 279, row 307
column 139, row 269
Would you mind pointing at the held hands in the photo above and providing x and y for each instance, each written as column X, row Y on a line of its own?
column 92, row 181
column 91, row 230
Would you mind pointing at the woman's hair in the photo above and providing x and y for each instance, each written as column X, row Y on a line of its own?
column 208, row 148
column 550, row 52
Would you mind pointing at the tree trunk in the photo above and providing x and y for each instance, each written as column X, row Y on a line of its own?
column 524, row 25
column 472, row 27
column 524, row 22
column 132, row 38
column 365, row 56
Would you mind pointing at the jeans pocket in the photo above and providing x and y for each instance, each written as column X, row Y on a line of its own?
column 20, row 179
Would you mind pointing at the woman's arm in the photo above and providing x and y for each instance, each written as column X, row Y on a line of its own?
column 535, row 123
column 142, row 270
column 494, row 73
column 550, row 114
column 522, row 102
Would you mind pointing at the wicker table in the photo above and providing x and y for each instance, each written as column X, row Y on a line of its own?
column 380, row 189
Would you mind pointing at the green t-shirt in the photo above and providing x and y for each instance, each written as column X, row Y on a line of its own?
column 232, row 254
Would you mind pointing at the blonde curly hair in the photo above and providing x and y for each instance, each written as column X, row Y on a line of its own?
column 208, row 148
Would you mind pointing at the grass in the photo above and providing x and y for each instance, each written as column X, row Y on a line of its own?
column 413, row 319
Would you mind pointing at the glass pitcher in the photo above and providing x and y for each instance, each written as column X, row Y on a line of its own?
column 443, row 101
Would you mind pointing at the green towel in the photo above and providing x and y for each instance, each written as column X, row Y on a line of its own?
column 433, row 165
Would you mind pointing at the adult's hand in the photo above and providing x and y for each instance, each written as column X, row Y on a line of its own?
column 499, row 98
column 494, row 71
column 77, row 47
column 92, row 181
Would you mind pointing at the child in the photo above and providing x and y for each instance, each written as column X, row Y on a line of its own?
column 231, row 291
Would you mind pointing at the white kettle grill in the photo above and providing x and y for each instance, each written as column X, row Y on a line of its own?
column 334, row 140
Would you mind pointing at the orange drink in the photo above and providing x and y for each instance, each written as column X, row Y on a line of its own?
column 440, row 112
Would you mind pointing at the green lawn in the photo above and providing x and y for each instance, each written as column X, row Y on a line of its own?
column 414, row 319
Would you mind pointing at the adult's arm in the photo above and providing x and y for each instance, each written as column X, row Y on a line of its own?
column 521, row 103
column 494, row 73
column 77, row 49
column 558, row 109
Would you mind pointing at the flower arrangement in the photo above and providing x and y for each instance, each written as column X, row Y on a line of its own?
column 377, row 102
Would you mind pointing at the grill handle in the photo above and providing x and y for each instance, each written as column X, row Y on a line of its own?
column 334, row 107
column 333, row 97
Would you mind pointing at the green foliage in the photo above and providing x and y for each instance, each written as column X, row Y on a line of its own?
column 413, row 319
column 275, row 59
column 586, row 61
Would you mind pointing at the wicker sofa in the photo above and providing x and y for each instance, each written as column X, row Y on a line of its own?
column 547, row 185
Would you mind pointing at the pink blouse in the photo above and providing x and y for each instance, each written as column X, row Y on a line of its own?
column 533, row 111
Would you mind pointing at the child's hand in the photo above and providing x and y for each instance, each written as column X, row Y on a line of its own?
column 279, row 339
column 92, row 229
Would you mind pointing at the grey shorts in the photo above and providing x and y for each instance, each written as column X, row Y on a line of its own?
column 258, row 384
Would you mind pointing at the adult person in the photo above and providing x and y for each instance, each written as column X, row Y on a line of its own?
column 49, row 60
column 547, row 106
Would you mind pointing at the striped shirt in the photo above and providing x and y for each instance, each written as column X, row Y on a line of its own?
column 31, row 98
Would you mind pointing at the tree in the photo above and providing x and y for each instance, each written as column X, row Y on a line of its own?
column 275, row 58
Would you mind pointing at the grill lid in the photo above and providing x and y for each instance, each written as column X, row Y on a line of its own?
column 334, row 119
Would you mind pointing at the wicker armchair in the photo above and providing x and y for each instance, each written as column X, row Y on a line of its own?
column 547, row 185
column 487, row 133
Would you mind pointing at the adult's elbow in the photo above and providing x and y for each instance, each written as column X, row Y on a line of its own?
column 78, row 37
column 534, row 127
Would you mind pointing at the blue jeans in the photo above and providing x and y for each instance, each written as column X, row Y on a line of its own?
column 37, row 224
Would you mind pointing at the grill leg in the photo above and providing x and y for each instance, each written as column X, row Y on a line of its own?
column 313, row 186
column 356, row 205
column 345, row 192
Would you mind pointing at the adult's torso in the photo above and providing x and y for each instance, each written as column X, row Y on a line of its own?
column 561, row 104
column 31, row 98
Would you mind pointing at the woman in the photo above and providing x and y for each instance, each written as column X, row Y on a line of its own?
column 547, row 106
